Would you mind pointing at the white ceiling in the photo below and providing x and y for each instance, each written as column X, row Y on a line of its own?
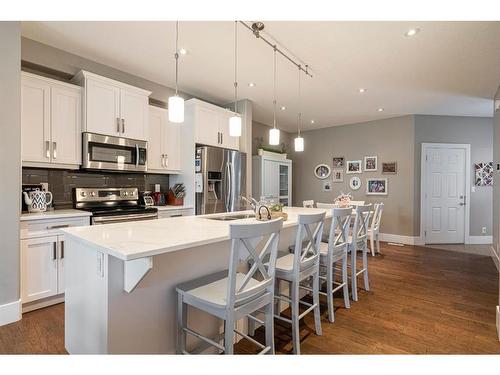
column 449, row 68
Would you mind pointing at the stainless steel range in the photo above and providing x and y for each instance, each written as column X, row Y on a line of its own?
column 112, row 205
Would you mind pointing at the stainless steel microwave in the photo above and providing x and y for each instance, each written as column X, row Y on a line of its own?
column 104, row 152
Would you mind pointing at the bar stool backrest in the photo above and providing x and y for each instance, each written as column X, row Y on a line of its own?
column 377, row 217
column 338, row 237
column 248, row 238
column 361, row 220
column 308, row 204
column 307, row 241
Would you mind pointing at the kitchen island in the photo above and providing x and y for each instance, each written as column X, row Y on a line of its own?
column 120, row 279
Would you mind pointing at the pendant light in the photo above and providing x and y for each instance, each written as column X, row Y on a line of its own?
column 176, row 103
column 299, row 141
column 235, row 120
column 274, row 133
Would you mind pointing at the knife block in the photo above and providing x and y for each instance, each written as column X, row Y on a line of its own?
column 173, row 201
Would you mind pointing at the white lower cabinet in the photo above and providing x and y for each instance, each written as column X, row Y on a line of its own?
column 39, row 268
column 174, row 213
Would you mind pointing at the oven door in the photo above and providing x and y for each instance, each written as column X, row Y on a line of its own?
column 98, row 220
column 113, row 153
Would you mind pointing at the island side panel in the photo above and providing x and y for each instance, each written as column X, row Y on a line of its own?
column 144, row 321
column 86, row 301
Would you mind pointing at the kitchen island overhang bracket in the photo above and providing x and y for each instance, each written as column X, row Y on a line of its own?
column 134, row 271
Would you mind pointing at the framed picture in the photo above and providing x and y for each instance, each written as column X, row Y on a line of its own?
column 390, row 167
column 338, row 162
column 370, row 163
column 338, row 175
column 355, row 183
column 353, row 166
column 376, row 186
column 322, row 171
column 483, row 174
column 327, row 186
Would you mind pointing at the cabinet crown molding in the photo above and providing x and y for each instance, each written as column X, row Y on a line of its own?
column 80, row 77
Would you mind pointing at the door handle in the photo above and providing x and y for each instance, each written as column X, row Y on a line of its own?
column 123, row 125
column 136, row 155
column 221, row 138
column 47, row 149
column 62, row 249
column 54, row 251
column 54, row 150
column 462, row 204
column 166, row 160
column 163, row 160
column 117, row 125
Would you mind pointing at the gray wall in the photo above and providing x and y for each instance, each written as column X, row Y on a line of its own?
column 389, row 139
column 476, row 131
column 10, row 159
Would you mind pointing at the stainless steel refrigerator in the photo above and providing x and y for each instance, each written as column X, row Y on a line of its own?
column 220, row 180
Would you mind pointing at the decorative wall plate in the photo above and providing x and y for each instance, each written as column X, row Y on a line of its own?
column 322, row 171
column 355, row 183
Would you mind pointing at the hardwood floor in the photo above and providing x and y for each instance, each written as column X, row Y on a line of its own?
column 422, row 301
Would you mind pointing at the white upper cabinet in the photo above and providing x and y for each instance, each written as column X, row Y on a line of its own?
column 50, row 123
column 102, row 108
column 113, row 108
column 164, row 153
column 211, row 124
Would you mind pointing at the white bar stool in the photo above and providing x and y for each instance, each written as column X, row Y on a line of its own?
column 231, row 295
column 373, row 231
column 333, row 252
column 308, row 204
column 358, row 241
column 300, row 266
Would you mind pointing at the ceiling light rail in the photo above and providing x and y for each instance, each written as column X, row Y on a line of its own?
column 257, row 27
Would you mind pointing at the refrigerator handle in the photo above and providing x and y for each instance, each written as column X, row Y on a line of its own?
column 228, row 186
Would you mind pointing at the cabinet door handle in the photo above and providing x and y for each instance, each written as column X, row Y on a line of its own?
column 54, row 150
column 62, row 249
column 58, row 226
column 123, row 125
column 47, row 149
column 221, row 138
column 54, row 251
column 166, row 160
column 117, row 125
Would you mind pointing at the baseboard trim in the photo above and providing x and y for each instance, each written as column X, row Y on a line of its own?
column 407, row 240
column 10, row 312
column 495, row 257
column 479, row 240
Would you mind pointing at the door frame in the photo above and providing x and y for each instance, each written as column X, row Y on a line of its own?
column 423, row 170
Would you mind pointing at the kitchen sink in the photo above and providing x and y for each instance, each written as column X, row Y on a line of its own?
column 231, row 217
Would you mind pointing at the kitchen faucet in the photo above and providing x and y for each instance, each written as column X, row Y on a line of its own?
column 251, row 201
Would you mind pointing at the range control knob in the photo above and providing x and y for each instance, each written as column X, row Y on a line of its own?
column 125, row 193
column 83, row 194
column 92, row 193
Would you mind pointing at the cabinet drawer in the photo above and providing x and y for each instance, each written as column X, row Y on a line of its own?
column 50, row 227
column 173, row 213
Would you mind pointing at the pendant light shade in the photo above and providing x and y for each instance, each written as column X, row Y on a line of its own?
column 235, row 126
column 176, row 103
column 299, row 144
column 235, row 120
column 274, row 137
column 176, row 109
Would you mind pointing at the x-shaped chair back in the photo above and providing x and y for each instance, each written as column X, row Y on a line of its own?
column 247, row 239
column 377, row 216
column 361, row 220
column 307, row 240
column 339, row 229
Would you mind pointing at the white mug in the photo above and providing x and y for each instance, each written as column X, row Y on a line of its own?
column 37, row 201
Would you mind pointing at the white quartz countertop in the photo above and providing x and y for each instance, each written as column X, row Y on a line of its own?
column 54, row 214
column 138, row 239
column 173, row 208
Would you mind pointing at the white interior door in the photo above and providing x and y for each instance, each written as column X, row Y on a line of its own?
column 445, row 184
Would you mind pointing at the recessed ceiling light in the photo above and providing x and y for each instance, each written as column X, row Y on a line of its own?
column 283, row 107
column 183, row 51
column 412, row 32
column 312, row 121
column 362, row 90
column 251, row 84
column 380, row 109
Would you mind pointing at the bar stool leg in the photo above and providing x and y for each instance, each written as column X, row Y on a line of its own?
column 317, row 311
column 229, row 334
column 372, row 244
column 345, row 281
column 354, row 281
column 277, row 292
column 365, row 266
column 329, row 291
column 270, row 327
column 295, row 316
column 181, row 324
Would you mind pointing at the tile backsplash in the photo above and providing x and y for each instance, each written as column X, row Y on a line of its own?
column 62, row 182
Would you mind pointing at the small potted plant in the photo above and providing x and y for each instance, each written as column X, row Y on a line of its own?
column 277, row 211
column 176, row 194
column 264, row 149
